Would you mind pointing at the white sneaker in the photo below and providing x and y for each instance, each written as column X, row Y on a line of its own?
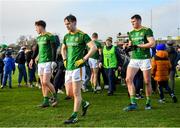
column 106, row 86
column 98, row 88
column 161, row 101
column 37, row 85
column 60, row 91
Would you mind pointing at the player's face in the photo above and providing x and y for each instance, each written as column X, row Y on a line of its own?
column 136, row 23
column 38, row 29
column 71, row 26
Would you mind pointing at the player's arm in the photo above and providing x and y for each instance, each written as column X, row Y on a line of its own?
column 150, row 44
column 63, row 51
column 150, row 39
column 92, row 50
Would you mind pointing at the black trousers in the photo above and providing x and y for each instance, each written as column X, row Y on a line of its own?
column 164, row 84
column 59, row 79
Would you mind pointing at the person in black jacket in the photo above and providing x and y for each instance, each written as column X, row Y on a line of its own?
column 21, row 60
column 31, row 71
column 173, row 55
column 59, row 77
column 1, row 67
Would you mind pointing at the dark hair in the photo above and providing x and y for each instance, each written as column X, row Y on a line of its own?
column 41, row 23
column 95, row 35
column 136, row 16
column 70, row 18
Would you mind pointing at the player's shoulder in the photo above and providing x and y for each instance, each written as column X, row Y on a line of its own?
column 81, row 32
column 48, row 34
column 146, row 28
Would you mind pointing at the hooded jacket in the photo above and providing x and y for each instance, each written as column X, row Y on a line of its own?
column 161, row 66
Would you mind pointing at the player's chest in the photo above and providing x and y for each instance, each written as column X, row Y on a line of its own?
column 74, row 41
column 43, row 41
column 138, row 36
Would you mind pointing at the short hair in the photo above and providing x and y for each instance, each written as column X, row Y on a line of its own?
column 41, row 23
column 70, row 18
column 95, row 35
column 136, row 16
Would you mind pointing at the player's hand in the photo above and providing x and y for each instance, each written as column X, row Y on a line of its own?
column 53, row 65
column 100, row 65
column 31, row 64
column 79, row 62
column 65, row 63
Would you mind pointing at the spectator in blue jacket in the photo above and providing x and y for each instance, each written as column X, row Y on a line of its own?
column 9, row 67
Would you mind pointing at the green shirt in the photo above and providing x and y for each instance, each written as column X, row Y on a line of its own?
column 44, row 44
column 140, row 37
column 76, row 48
column 96, row 54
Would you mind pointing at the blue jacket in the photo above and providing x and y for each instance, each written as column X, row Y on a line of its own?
column 9, row 64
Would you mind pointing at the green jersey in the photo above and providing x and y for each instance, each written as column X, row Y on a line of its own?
column 140, row 37
column 76, row 48
column 44, row 44
column 96, row 54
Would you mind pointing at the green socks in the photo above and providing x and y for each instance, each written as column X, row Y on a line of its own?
column 46, row 100
column 132, row 99
column 148, row 100
column 74, row 114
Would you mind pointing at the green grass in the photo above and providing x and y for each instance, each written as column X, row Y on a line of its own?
column 18, row 109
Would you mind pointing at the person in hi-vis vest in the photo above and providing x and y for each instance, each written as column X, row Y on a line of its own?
column 110, row 60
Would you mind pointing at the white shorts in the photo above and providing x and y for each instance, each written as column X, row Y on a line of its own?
column 144, row 64
column 75, row 75
column 93, row 63
column 44, row 68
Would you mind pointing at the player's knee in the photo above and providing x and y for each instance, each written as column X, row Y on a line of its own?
column 68, row 93
column 147, row 82
column 44, row 83
column 128, row 80
column 77, row 94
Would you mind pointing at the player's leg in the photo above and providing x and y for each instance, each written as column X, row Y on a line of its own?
column 68, row 84
column 131, row 72
column 43, row 87
column 49, row 87
column 78, row 76
column 146, row 69
column 148, row 88
column 45, row 102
